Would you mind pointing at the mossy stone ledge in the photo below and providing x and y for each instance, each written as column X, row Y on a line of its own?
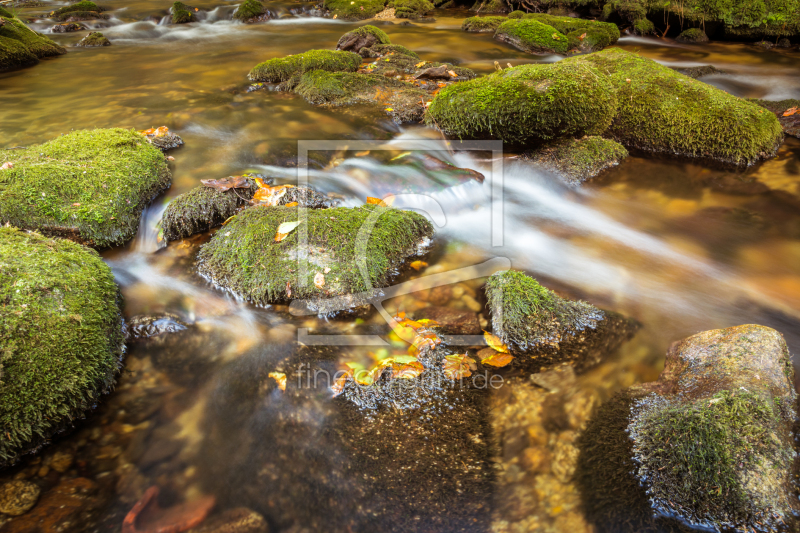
column 583, row 35
column 20, row 46
column 711, row 441
column 482, row 24
column 543, row 328
column 88, row 185
column 411, row 9
column 61, row 331
column 362, row 37
column 579, row 160
column 354, row 9
column 282, row 69
column 94, row 39
column 532, row 36
column 663, row 111
column 249, row 11
column 791, row 123
column 244, row 258
column 527, row 104
column 85, row 10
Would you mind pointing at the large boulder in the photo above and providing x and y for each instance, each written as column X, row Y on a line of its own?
column 181, row 13
column 692, row 35
column 284, row 68
column 482, row 24
column 362, row 37
column 20, row 46
column 251, row 11
column 532, row 36
column 88, row 185
column 583, row 35
column 708, row 445
column 245, row 258
column 786, row 111
column 579, row 160
column 528, row 103
column 542, row 328
column 62, row 345
column 84, row 10
column 663, row 111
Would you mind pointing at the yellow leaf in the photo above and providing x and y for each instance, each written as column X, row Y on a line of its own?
column 386, row 202
column 789, row 112
column 458, row 366
column 427, row 322
column 498, row 359
column 416, row 265
column 285, row 229
column 420, row 64
column 319, row 280
column 269, row 196
column 292, row 204
column 494, row 342
column 388, row 109
column 228, row 219
column 556, row 37
column 280, row 377
column 407, row 371
column 452, row 73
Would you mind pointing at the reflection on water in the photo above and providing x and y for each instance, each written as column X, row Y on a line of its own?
column 678, row 246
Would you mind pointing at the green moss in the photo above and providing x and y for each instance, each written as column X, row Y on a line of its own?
column 14, row 55
column 482, row 24
column 249, row 9
column 62, row 336
column 516, row 14
column 36, row 44
column 94, row 39
column 181, row 13
column 644, row 27
column 661, row 110
column 596, row 35
column 529, row 103
column 397, row 49
column 694, row 456
column 411, row 9
column 578, row 160
column 692, row 35
column 245, row 258
column 201, row 209
column 6, row 13
column 88, row 185
column 283, row 68
column 532, row 36
column 85, row 5
column 776, row 106
column 355, row 9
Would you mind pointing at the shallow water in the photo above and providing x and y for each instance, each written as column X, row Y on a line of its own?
column 679, row 246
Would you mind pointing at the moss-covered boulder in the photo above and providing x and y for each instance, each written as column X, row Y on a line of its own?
column 482, row 24
column 354, row 9
column 61, row 331
column 84, row 10
column 528, row 103
column 790, row 122
column 711, row 441
column 363, row 37
column 89, row 185
column 284, row 68
column 245, row 259
column 692, row 35
column 411, row 9
column 381, row 50
column 532, row 36
column 542, row 328
column 579, row 160
column 181, row 13
column 94, row 39
column 21, row 47
column 402, row 100
column 392, row 61
column 663, row 111
column 250, row 11
column 583, row 35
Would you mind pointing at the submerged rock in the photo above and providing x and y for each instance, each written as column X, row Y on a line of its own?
column 362, row 37
column 146, row 326
column 532, row 36
column 549, row 102
column 544, row 328
column 62, row 337
column 94, row 39
column 88, row 185
column 692, row 35
column 579, row 160
column 699, row 72
column 284, row 68
column 663, row 111
column 20, row 46
column 710, row 443
column 18, row 497
column 245, row 259
column 787, row 113
column 238, row 520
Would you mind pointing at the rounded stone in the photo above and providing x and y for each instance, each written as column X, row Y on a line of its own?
column 18, row 497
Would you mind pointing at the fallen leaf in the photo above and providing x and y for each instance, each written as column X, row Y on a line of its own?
column 556, row 37
column 319, row 280
column 416, row 265
column 269, row 196
column 789, row 112
column 498, row 360
column 288, row 289
column 261, row 183
column 163, row 131
column 458, row 366
column 175, row 519
column 427, row 322
column 420, row 64
column 292, row 204
column 170, row 158
column 582, row 37
column 494, row 342
column 76, row 204
column 441, row 84
column 338, row 385
column 326, row 270
column 386, row 202
column 285, row 229
column 388, row 109
column 280, row 377
column 224, row 184
column 6, row 165
column 452, row 73
column 228, row 219
column 407, row 371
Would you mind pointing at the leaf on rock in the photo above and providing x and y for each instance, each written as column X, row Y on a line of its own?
column 163, row 131
column 7, row 165
column 338, row 385
column 498, row 359
column 224, row 184
column 582, row 37
column 458, row 366
column 452, row 73
column 280, row 377
column 292, row 204
column 494, row 342
column 269, row 196
column 417, row 265
column 319, row 280
column 285, row 229
column 407, row 371
column 386, row 202
column 420, row 64
column 789, row 112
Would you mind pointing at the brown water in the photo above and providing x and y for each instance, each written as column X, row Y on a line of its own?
column 678, row 246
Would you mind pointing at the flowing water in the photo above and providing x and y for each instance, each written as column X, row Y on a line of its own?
column 680, row 247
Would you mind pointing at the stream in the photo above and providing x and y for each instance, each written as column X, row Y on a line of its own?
column 682, row 247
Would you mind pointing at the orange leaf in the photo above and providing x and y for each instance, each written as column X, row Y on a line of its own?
column 386, row 202
column 407, row 371
column 582, row 37
column 789, row 112
column 338, row 385
column 441, row 84
column 458, row 366
column 261, row 183
column 498, row 360
column 494, row 342
column 416, row 265
column 452, row 73
column 292, row 204
column 269, row 196
column 420, row 64
column 319, row 280
column 280, row 377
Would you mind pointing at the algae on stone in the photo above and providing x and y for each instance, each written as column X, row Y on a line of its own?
column 532, row 36
column 61, row 327
column 245, row 259
column 663, row 111
column 692, row 35
column 88, row 185
column 282, row 69
column 790, row 123
column 578, row 160
column 84, row 10
column 528, row 103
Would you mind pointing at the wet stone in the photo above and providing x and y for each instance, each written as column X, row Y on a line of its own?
column 68, row 27
column 18, row 497
column 144, row 327
column 239, row 520
column 452, row 321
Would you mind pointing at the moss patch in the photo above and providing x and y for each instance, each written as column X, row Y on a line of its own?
column 245, row 259
column 583, row 35
column 411, row 9
column 283, row 68
column 578, row 160
column 363, row 37
column 181, row 13
column 482, row 24
column 20, row 46
column 249, row 9
column 201, row 209
column 532, row 36
column 89, row 185
column 85, row 5
column 529, row 103
column 62, row 336
column 396, row 49
column 661, row 110
column 692, row 35
column 94, row 39
column 355, row 9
